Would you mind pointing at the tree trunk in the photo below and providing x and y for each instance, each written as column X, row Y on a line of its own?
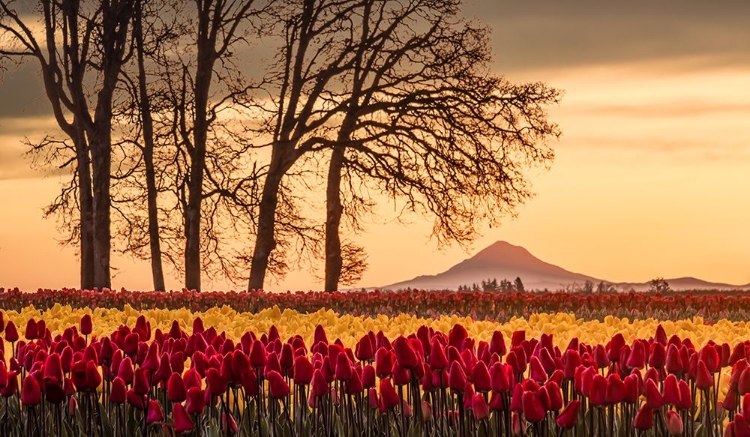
column 86, row 201
column 101, row 154
column 334, row 211
column 157, row 271
column 265, row 242
column 193, row 229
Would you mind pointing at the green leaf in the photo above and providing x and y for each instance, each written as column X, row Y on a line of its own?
column 107, row 428
column 213, row 429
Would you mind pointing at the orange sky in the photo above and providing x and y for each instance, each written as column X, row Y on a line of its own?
column 651, row 178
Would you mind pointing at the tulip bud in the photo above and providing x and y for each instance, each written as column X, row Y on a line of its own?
column 72, row 407
column 182, row 421
column 388, row 394
column 118, row 391
column 644, row 419
column 479, row 407
column 196, row 401
column 277, row 387
column 516, row 427
column 176, row 391
column 86, row 324
column 154, row 412
column 11, row 332
column 31, row 394
column 456, row 377
column 569, row 415
column 703, row 378
column 533, row 410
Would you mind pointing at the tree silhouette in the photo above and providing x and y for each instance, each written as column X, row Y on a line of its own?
column 80, row 58
column 397, row 95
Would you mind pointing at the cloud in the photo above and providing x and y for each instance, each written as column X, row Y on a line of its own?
column 22, row 93
column 544, row 34
column 671, row 109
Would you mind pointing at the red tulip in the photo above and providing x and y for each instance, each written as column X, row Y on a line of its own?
column 343, row 368
column 364, row 350
column 644, row 419
column 118, row 391
column 479, row 407
column 632, row 388
column 176, row 391
column 661, row 335
column 658, row 356
column 654, row 398
column 673, row 362
column 686, row 400
column 500, row 380
column 320, row 335
column 405, row 353
column 497, row 344
column 743, row 383
column 11, row 388
column 741, row 427
column 671, row 390
column 569, row 416
column 216, row 385
column 11, row 332
column 32, row 330
column 154, row 412
column 165, row 369
column 257, row 354
column 277, row 387
column 388, row 394
column 141, row 385
column 368, row 376
column 302, row 371
column 598, row 391
column 383, row 362
column 456, row 377
column 31, row 395
column 730, row 401
column 319, row 385
column 437, row 360
column 86, row 324
column 703, row 378
column 198, row 325
column 555, row 395
column 536, row 371
column 637, row 357
column 710, row 356
column 196, row 401
column 182, row 421
column 532, row 406
column 481, row 378
column 152, row 361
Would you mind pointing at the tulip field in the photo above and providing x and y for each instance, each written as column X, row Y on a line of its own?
column 77, row 363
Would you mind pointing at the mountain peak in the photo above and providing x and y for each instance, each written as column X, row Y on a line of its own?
column 502, row 260
column 504, row 250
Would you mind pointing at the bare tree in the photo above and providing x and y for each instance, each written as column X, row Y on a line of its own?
column 80, row 57
column 426, row 122
column 185, row 90
column 397, row 94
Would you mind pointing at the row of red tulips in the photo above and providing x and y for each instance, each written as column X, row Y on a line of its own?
column 135, row 382
column 733, row 306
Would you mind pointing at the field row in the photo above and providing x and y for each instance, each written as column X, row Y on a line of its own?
column 124, row 372
column 710, row 306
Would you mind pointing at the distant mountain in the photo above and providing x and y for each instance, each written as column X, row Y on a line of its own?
column 503, row 260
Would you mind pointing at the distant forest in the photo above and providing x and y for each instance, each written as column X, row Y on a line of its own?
column 504, row 285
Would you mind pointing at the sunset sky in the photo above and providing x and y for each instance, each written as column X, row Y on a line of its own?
column 651, row 176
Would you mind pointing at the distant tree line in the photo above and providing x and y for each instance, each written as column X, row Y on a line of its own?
column 205, row 135
column 493, row 285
